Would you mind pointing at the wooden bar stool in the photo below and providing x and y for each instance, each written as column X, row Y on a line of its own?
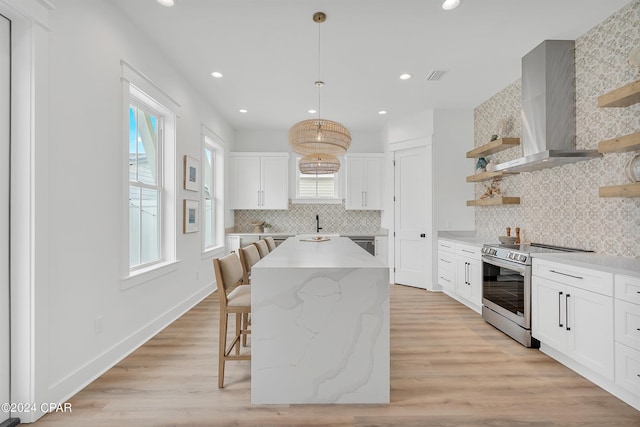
column 270, row 243
column 263, row 248
column 249, row 255
column 229, row 274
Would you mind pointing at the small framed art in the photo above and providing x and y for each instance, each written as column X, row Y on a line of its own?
column 191, row 174
column 191, row 216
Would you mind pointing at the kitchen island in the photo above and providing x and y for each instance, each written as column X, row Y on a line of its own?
column 320, row 324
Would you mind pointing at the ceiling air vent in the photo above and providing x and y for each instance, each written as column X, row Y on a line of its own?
column 436, row 75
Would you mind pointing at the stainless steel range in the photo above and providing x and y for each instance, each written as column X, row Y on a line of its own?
column 506, row 287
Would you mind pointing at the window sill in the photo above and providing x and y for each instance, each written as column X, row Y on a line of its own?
column 316, row 201
column 143, row 275
column 214, row 252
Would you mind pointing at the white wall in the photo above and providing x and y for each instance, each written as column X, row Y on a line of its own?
column 81, row 170
column 452, row 138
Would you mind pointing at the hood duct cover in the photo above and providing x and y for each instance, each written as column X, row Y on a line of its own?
column 548, row 109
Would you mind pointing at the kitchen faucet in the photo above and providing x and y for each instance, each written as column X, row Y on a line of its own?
column 318, row 228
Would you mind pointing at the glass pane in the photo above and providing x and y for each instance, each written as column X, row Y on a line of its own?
column 149, row 226
column 133, row 135
column 209, row 198
column 134, row 226
column 143, row 140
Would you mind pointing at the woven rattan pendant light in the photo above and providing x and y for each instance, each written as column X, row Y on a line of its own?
column 319, row 164
column 319, row 135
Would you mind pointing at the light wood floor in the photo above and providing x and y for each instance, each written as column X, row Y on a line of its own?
column 448, row 368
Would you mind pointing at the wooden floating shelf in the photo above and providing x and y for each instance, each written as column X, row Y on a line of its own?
column 486, row 176
column 494, row 201
column 493, row 147
column 621, row 144
column 627, row 190
column 621, row 97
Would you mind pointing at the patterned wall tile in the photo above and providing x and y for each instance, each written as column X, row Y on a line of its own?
column 561, row 206
column 301, row 218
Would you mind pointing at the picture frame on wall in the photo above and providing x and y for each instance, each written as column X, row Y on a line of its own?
column 191, row 173
column 190, row 216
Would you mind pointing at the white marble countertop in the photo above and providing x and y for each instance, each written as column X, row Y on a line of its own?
column 283, row 234
column 466, row 237
column 337, row 252
column 611, row 264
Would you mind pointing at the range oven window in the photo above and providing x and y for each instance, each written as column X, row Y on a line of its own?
column 504, row 287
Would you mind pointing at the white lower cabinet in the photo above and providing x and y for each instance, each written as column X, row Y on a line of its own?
column 627, row 334
column 574, row 321
column 381, row 249
column 460, row 272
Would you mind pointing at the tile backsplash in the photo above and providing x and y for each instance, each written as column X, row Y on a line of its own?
column 301, row 218
column 561, row 206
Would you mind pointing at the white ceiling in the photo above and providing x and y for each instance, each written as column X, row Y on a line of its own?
column 268, row 52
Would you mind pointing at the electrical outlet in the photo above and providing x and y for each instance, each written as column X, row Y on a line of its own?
column 98, row 325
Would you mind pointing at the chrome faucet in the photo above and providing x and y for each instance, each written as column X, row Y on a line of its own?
column 318, row 228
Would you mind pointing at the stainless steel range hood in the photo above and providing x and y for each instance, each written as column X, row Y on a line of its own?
column 548, row 109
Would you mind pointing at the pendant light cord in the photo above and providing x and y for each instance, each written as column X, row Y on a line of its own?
column 319, row 79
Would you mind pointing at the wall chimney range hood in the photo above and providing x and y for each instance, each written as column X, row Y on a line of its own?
column 548, row 109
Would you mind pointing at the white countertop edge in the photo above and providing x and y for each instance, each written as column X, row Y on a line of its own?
column 467, row 237
column 345, row 234
column 612, row 264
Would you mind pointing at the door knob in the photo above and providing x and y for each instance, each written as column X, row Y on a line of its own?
column 423, row 235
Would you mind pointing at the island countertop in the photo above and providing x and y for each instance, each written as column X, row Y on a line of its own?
column 336, row 252
column 320, row 325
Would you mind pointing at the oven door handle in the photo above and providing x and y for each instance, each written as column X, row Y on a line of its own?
column 520, row 268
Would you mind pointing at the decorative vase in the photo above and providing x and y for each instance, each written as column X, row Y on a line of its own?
column 632, row 168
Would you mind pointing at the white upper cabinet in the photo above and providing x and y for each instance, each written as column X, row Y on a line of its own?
column 364, row 181
column 260, row 180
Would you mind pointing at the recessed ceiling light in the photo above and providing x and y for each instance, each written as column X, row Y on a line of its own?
column 243, row 110
column 312, row 111
column 405, row 76
column 450, row 4
column 217, row 74
column 167, row 3
column 382, row 112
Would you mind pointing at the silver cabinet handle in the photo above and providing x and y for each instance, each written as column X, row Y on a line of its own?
column 262, row 199
column 566, row 311
column 365, row 198
column 444, row 260
column 565, row 274
column 469, row 252
column 258, row 197
column 445, row 279
column 560, row 325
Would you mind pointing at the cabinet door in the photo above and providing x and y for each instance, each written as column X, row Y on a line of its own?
column 475, row 278
column 381, row 249
column 373, row 184
column 548, row 312
column 246, row 182
column 274, row 192
column 590, row 330
column 354, row 198
column 463, row 278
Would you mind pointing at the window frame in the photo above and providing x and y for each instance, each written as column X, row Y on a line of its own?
column 338, row 196
column 137, row 86
column 214, row 143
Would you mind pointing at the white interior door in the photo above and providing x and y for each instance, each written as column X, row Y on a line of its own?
column 5, row 66
column 412, row 216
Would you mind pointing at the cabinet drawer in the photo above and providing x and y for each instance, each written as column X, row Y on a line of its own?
column 627, row 288
column 628, row 368
column 446, row 278
column 446, row 260
column 445, row 245
column 628, row 324
column 469, row 252
column 583, row 278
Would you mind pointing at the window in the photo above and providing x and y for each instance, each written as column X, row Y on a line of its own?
column 212, row 193
column 145, row 185
column 316, row 186
column 150, row 176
